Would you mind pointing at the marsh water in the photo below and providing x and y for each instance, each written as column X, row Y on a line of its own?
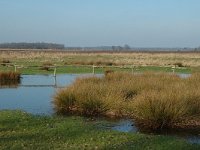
column 35, row 94
column 127, row 125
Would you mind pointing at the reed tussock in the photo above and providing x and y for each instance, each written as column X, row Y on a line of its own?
column 9, row 78
column 153, row 100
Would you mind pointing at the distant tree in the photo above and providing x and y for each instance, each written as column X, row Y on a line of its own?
column 120, row 48
column 197, row 49
column 117, row 48
column 127, row 47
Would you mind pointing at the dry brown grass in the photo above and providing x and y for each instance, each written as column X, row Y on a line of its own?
column 156, row 59
column 155, row 101
column 9, row 78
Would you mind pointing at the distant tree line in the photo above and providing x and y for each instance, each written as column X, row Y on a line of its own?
column 121, row 48
column 31, row 46
column 102, row 48
column 197, row 49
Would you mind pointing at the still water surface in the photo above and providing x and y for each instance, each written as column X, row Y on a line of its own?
column 35, row 93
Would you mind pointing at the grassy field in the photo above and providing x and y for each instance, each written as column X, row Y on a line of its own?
column 19, row 130
column 89, row 69
column 153, row 59
column 31, row 62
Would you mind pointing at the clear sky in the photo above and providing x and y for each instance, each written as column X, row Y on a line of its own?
column 139, row 23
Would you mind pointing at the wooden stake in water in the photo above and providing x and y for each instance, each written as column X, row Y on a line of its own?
column 54, row 74
column 55, row 82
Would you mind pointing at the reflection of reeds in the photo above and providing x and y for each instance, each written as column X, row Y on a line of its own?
column 10, row 79
column 154, row 100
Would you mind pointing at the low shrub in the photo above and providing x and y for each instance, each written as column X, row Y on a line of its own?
column 179, row 64
column 5, row 61
column 46, row 66
column 108, row 72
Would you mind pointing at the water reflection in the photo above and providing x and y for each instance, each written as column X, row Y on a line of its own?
column 128, row 126
column 10, row 83
column 35, row 93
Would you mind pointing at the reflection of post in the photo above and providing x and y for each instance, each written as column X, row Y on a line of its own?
column 55, row 81
column 54, row 74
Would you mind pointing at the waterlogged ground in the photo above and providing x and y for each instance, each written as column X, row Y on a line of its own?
column 19, row 130
column 128, row 126
column 35, row 94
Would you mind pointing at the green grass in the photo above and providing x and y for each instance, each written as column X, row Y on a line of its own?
column 149, row 61
column 19, row 130
column 88, row 69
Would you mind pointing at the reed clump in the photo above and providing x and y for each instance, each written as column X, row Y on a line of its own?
column 179, row 64
column 9, row 78
column 153, row 100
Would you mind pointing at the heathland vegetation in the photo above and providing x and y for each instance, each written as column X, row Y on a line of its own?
column 153, row 100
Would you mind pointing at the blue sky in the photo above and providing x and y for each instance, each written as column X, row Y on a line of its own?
column 139, row 23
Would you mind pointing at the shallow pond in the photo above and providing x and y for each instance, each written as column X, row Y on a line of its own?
column 35, row 94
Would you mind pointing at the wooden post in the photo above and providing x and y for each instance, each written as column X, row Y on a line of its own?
column 54, row 74
column 132, row 68
column 15, row 68
column 173, row 69
column 93, row 69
